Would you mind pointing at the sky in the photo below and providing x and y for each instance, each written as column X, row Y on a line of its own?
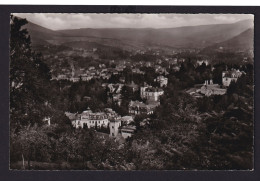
column 60, row 21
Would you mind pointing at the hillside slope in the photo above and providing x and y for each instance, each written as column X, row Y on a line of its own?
column 242, row 42
column 131, row 38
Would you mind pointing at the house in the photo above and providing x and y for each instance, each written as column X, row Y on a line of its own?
column 195, row 92
column 115, row 88
column 127, row 119
column 148, row 64
column 200, row 62
column 91, row 68
column 117, row 130
column 137, row 107
column 120, row 67
column 228, row 76
column 137, row 71
column 62, row 77
column 160, row 70
column 111, row 113
column 47, row 119
column 151, row 93
column 102, row 66
column 117, row 98
column 127, row 131
column 86, row 77
column 163, row 81
column 90, row 119
column 209, row 89
column 74, row 79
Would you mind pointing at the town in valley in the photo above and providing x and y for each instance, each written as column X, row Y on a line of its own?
column 131, row 98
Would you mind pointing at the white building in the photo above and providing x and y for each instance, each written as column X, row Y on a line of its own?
column 200, row 62
column 151, row 93
column 47, row 119
column 228, row 76
column 99, row 120
column 163, row 81
column 90, row 119
column 114, row 127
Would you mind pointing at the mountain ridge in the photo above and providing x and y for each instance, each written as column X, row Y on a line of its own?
column 200, row 36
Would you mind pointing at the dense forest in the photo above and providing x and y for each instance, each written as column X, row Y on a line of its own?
column 213, row 132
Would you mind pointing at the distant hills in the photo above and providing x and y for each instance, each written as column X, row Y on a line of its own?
column 243, row 41
column 235, row 34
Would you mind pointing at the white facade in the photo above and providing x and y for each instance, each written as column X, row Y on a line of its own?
column 89, row 119
column 163, row 81
column 114, row 127
column 229, row 76
column 152, row 94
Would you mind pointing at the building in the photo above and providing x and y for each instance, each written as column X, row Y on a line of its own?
column 160, row 70
column 195, row 92
column 138, row 71
column 163, row 81
column 47, row 120
column 209, row 89
column 127, row 120
column 117, row 130
column 115, row 88
column 151, row 93
column 136, row 107
column 114, row 127
column 86, row 77
column 62, row 77
column 200, row 62
column 228, row 76
column 127, row 131
column 74, row 79
column 90, row 119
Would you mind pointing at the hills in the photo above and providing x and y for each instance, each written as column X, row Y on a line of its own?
column 243, row 41
column 132, row 38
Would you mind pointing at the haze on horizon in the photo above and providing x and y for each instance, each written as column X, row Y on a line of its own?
column 61, row 21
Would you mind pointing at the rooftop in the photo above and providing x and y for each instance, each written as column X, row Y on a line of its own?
column 153, row 89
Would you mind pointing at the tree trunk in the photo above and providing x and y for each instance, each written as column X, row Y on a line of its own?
column 29, row 162
column 29, row 159
column 23, row 162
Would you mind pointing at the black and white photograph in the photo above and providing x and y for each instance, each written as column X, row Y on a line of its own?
column 136, row 91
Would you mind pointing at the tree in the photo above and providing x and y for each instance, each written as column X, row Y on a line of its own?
column 32, row 144
column 29, row 78
column 231, row 88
